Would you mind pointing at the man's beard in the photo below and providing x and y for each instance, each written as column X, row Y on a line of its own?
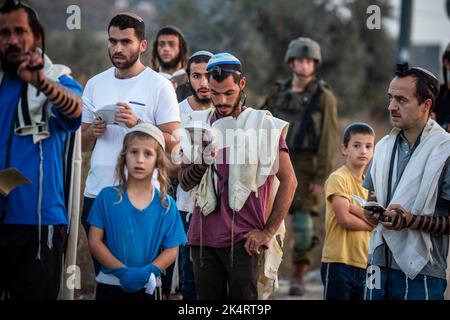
column 172, row 64
column 9, row 66
column 128, row 63
column 234, row 107
column 197, row 98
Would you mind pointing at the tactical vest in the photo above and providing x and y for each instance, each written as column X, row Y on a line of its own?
column 293, row 107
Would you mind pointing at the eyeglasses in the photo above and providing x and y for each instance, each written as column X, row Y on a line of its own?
column 7, row 33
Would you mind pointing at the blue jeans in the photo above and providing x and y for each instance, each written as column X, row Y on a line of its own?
column 187, row 280
column 400, row 287
column 342, row 282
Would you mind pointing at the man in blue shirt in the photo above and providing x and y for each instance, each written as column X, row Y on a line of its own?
column 40, row 108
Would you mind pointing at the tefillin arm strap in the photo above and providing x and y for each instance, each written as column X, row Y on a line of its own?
column 439, row 225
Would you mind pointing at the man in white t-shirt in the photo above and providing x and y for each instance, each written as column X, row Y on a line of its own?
column 139, row 95
column 199, row 100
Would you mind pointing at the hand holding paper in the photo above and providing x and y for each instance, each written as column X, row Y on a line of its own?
column 106, row 113
column 124, row 115
column 375, row 209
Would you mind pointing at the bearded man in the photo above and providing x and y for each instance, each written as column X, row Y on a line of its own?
column 139, row 95
column 40, row 113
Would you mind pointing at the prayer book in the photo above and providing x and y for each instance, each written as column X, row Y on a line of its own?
column 10, row 179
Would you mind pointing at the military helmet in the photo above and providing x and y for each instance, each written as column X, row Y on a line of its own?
column 303, row 48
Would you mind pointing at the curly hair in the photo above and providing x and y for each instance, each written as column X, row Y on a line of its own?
column 183, row 46
column 161, row 165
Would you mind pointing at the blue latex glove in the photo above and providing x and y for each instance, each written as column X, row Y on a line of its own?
column 134, row 279
column 118, row 272
column 153, row 269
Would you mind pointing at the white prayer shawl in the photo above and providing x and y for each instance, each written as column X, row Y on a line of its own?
column 416, row 191
column 256, row 155
column 246, row 177
column 273, row 255
column 253, row 157
column 70, row 277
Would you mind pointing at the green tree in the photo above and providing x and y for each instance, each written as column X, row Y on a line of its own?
column 357, row 62
column 85, row 52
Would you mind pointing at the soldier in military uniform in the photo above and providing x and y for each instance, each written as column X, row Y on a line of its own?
column 310, row 107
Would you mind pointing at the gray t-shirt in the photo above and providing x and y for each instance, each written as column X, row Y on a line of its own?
column 439, row 242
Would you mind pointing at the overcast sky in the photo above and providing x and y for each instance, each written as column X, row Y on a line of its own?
column 430, row 24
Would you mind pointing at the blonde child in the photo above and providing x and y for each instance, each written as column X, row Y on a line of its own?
column 135, row 228
column 346, row 244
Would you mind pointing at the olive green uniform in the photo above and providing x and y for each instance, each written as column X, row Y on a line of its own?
column 312, row 157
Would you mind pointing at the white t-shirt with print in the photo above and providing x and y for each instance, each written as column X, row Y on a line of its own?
column 153, row 100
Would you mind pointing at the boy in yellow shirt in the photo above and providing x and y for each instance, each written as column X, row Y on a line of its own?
column 346, row 245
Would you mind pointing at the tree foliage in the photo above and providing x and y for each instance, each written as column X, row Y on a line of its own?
column 357, row 62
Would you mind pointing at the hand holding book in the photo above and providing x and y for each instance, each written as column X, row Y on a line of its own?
column 374, row 207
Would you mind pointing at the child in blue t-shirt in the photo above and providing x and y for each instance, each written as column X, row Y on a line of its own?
column 135, row 228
